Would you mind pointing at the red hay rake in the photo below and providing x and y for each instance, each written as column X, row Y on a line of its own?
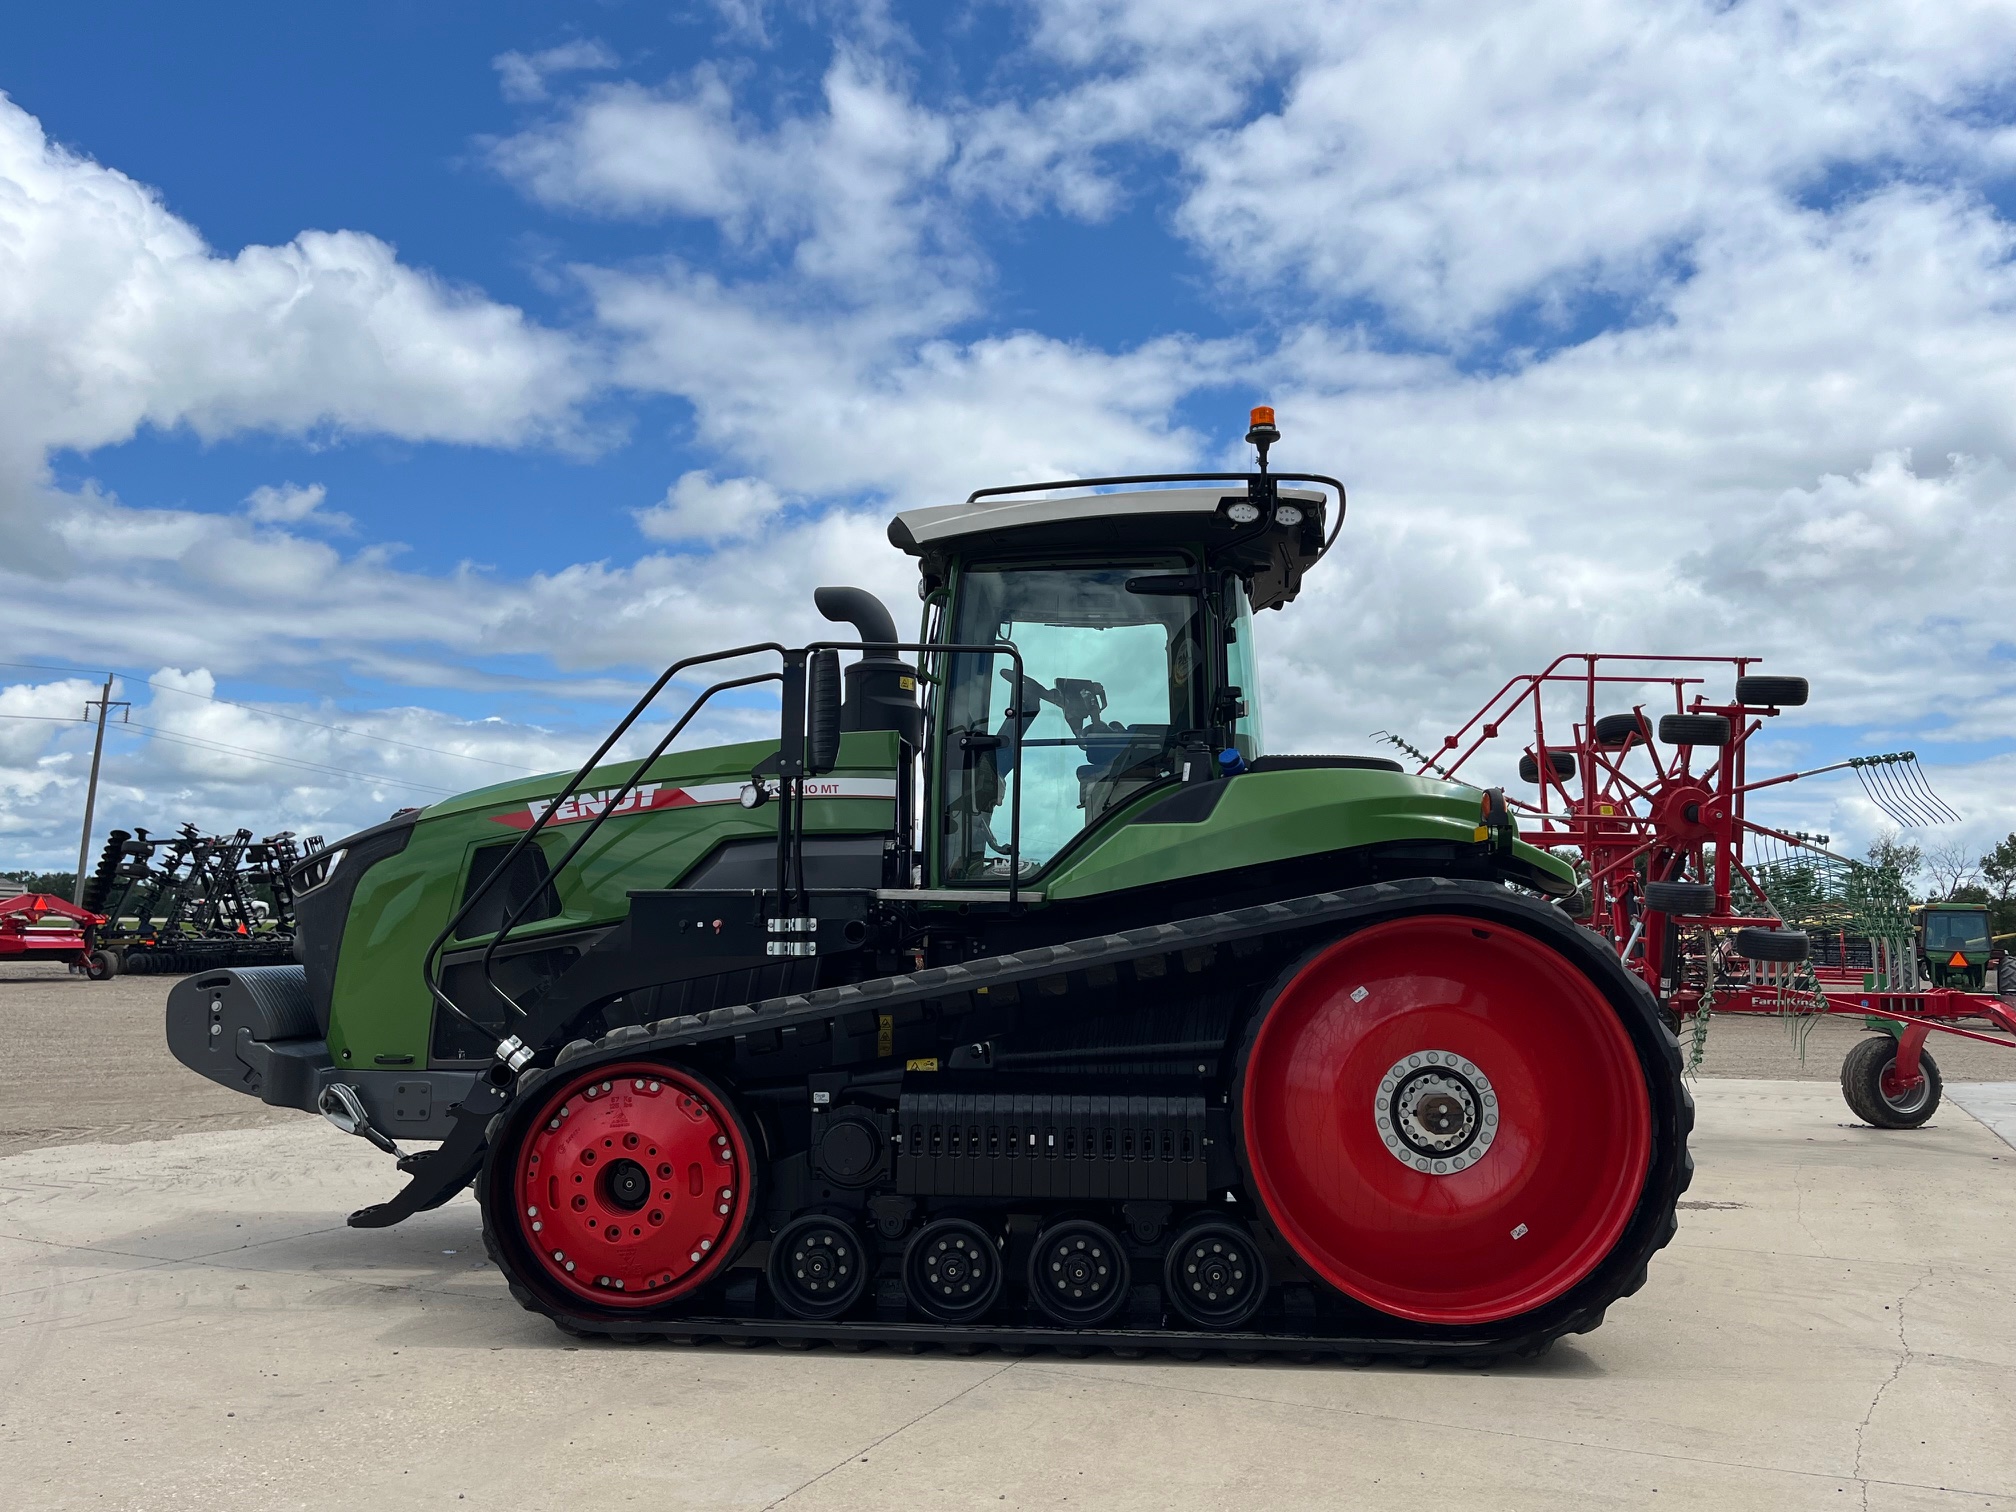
column 1651, row 797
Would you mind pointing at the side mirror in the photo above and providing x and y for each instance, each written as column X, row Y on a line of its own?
column 822, row 712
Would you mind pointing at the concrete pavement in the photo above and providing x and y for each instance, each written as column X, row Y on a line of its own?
column 186, row 1322
column 1993, row 1103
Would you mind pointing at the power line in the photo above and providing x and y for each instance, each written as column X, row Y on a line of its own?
column 238, row 750
column 513, row 766
column 268, row 756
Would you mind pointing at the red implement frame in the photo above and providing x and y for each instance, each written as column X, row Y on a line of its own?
column 39, row 926
column 1635, row 813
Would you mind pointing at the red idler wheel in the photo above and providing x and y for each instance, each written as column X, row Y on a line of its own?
column 1445, row 1119
column 633, row 1187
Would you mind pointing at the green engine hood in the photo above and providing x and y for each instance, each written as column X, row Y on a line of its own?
column 1277, row 816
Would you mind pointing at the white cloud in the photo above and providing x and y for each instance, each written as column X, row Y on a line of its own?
column 841, row 406
column 1447, row 164
column 288, row 504
column 698, row 508
column 1802, row 456
column 114, row 316
column 844, row 188
column 521, row 77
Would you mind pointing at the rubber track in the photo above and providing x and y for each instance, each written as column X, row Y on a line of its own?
column 1386, row 899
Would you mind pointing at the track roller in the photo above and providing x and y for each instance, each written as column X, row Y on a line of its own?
column 952, row 1270
column 817, row 1267
column 1077, row 1273
column 1215, row 1275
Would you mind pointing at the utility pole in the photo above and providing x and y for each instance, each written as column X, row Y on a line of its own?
column 103, row 704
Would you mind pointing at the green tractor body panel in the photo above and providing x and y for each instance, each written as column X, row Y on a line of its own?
column 382, row 1014
column 1266, row 817
column 381, row 1008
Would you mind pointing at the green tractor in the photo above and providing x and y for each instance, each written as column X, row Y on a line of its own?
column 1017, row 993
column 1953, row 945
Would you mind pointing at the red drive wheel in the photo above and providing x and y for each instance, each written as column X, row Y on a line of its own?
column 633, row 1187
column 1445, row 1119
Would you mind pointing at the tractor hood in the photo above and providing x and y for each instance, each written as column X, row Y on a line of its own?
column 1263, row 817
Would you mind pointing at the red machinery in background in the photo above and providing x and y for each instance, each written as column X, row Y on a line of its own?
column 1656, row 813
column 42, row 927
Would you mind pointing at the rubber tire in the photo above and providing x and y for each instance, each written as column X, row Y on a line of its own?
column 1616, row 730
column 1771, row 692
column 1862, row 1085
column 1773, row 944
column 1694, row 729
column 101, row 966
column 1680, row 897
column 1562, row 763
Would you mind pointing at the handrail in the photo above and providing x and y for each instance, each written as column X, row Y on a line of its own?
column 790, row 817
column 622, row 791
column 430, row 962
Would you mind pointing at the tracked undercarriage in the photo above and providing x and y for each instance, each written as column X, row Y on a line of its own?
column 1068, row 1159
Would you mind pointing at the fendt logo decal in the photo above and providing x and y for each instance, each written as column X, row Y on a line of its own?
column 583, row 806
column 648, row 797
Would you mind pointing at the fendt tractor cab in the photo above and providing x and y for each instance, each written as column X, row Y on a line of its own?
column 1016, row 992
column 1953, row 944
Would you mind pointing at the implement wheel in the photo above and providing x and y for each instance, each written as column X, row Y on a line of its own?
column 1874, row 1094
column 630, row 1188
column 1694, row 730
column 1614, row 730
column 1447, row 1119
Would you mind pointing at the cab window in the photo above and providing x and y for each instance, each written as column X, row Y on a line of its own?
column 1112, row 678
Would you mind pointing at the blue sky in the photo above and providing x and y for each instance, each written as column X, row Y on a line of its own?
column 605, row 332
column 376, row 119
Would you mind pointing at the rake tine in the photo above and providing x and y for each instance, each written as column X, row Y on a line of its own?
column 1917, row 774
column 1878, row 795
column 1888, row 800
column 1912, row 781
column 1869, row 792
column 1904, row 798
column 1900, row 774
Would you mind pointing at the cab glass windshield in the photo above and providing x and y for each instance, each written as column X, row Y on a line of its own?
column 1112, row 663
column 1948, row 932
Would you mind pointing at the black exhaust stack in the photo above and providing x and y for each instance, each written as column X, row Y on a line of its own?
column 881, row 686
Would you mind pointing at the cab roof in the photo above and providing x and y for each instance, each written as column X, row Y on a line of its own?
column 1268, row 556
